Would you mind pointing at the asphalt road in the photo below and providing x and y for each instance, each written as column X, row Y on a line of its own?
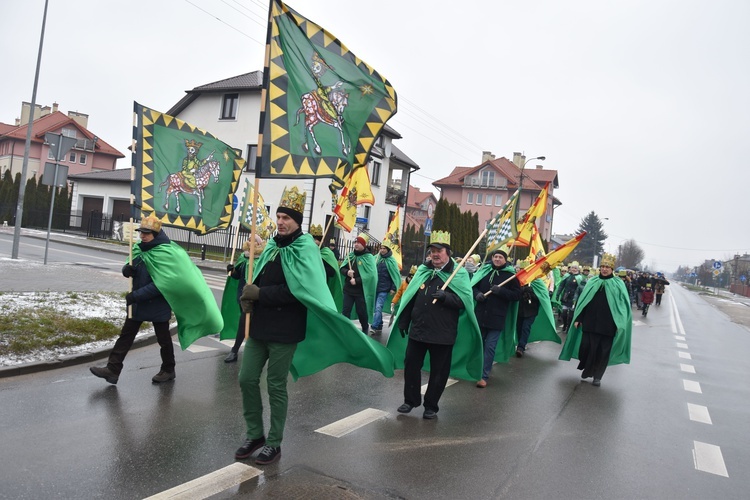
column 672, row 424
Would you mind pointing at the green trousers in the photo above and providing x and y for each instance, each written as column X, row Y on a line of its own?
column 279, row 357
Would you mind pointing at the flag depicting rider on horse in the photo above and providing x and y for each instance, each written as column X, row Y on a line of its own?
column 184, row 175
column 324, row 106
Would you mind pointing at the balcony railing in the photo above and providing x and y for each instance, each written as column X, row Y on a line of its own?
column 395, row 196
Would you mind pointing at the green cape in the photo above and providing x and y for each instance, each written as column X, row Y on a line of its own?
column 331, row 338
column 506, row 346
column 544, row 324
column 619, row 304
column 468, row 352
column 334, row 282
column 557, row 278
column 185, row 289
column 230, row 309
column 393, row 270
column 369, row 274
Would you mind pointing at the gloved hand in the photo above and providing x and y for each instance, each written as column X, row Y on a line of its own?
column 251, row 292
column 439, row 295
column 479, row 297
column 128, row 270
column 246, row 305
column 130, row 298
column 230, row 268
column 496, row 289
column 404, row 332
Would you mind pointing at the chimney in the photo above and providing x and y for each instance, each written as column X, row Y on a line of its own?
column 54, row 107
column 518, row 159
column 487, row 156
column 539, row 167
column 81, row 119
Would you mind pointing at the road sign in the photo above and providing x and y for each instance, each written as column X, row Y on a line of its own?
column 427, row 226
column 743, row 278
column 235, row 202
column 717, row 265
column 361, row 220
column 59, row 145
column 716, row 272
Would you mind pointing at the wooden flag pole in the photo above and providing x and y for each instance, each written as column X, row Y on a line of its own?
column 234, row 244
column 251, row 260
column 132, row 204
column 325, row 231
column 461, row 264
column 488, row 292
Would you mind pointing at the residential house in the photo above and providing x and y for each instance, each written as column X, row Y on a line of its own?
column 420, row 206
column 484, row 188
column 90, row 153
column 100, row 193
column 230, row 110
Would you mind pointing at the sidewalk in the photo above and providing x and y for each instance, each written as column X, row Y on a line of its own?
column 21, row 275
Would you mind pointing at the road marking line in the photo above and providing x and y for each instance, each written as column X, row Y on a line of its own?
column 682, row 346
column 226, row 342
column 451, row 381
column 687, row 368
column 210, row 484
column 679, row 337
column 352, row 422
column 684, row 355
column 674, row 318
column 708, row 458
column 692, row 386
column 196, row 348
column 699, row 413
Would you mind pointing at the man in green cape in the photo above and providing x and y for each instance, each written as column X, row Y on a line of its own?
column 331, row 265
column 360, row 283
column 440, row 323
column 543, row 328
column 602, row 325
column 164, row 280
column 294, row 328
column 497, row 312
column 389, row 279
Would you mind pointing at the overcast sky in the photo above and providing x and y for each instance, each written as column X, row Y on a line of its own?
column 641, row 106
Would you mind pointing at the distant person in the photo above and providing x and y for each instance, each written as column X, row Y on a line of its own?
column 389, row 278
column 360, row 282
column 647, row 298
column 332, row 247
column 528, row 308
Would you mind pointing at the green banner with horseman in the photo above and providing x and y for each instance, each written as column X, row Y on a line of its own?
column 324, row 106
column 183, row 175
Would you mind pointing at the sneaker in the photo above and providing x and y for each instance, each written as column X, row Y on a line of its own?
column 162, row 376
column 429, row 414
column 482, row 384
column 105, row 373
column 597, row 382
column 404, row 408
column 519, row 353
column 376, row 331
column 249, row 447
column 268, row 455
column 231, row 357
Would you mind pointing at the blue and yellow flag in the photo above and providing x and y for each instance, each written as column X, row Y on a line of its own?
column 323, row 108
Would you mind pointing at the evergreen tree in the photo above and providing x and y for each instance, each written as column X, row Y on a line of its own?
column 593, row 243
column 29, row 203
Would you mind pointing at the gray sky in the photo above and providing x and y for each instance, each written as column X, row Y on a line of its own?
column 641, row 106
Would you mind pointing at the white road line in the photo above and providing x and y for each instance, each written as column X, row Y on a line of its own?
column 691, row 386
column 699, row 413
column 451, row 381
column 674, row 318
column 684, row 355
column 687, row 368
column 352, row 422
column 708, row 458
column 679, row 337
column 682, row 346
column 210, row 484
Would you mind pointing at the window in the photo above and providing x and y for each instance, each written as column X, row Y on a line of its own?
column 375, row 177
column 498, row 200
column 470, row 199
column 379, row 141
column 69, row 132
column 479, row 198
column 367, row 217
column 488, row 178
column 229, row 106
column 50, row 155
column 82, row 158
column 252, row 157
column 488, row 200
column 72, row 157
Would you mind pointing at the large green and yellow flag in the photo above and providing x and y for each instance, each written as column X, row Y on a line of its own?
column 323, row 107
column 183, row 175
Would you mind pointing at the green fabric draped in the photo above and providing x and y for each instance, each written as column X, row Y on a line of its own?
column 185, row 289
column 544, row 324
column 393, row 270
column 334, row 282
column 619, row 304
column 369, row 275
column 557, row 278
column 331, row 338
column 230, row 309
column 468, row 352
column 506, row 345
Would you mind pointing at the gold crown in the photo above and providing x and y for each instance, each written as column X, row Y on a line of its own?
column 293, row 199
column 150, row 223
column 316, row 230
column 441, row 238
column 608, row 260
column 413, row 270
column 192, row 144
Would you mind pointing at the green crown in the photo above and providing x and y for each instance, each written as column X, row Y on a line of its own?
column 440, row 237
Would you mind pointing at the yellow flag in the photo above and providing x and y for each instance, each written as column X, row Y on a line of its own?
column 543, row 265
column 536, row 210
column 356, row 191
column 536, row 250
column 392, row 238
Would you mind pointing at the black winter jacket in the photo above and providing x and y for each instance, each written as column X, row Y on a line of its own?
column 385, row 283
column 278, row 316
column 492, row 311
column 432, row 323
column 150, row 304
column 355, row 289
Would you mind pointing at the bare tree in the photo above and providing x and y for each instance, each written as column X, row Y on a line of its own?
column 629, row 254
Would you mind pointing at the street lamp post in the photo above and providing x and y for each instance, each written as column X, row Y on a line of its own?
column 520, row 189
